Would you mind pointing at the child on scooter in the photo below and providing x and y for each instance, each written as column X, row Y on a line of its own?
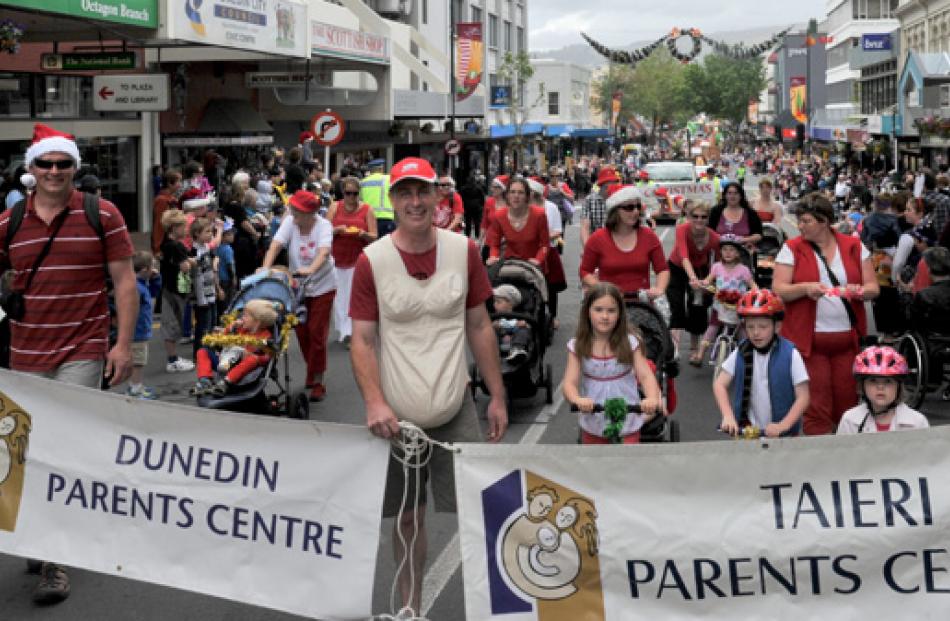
column 605, row 361
column 763, row 382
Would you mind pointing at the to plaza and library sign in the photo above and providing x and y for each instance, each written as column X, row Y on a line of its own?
column 143, row 13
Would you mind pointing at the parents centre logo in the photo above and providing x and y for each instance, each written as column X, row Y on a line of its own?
column 15, row 426
column 542, row 545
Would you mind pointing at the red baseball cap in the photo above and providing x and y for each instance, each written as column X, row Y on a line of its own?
column 606, row 175
column 412, row 168
column 305, row 201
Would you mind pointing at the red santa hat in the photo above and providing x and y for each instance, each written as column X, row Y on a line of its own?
column 621, row 194
column 305, row 136
column 48, row 140
column 193, row 199
column 500, row 180
column 535, row 185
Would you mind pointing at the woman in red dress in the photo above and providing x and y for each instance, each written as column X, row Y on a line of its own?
column 523, row 228
column 354, row 226
column 622, row 252
column 492, row 204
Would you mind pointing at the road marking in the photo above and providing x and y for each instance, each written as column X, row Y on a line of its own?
column 450, row 558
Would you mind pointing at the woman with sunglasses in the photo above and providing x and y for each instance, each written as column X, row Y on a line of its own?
column 623, row 251
column 354, row 226
column 824, row 278
column 734, row 215
column 693, row 251
column 450, row 212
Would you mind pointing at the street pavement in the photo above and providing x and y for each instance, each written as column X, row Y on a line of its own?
column 101, row 597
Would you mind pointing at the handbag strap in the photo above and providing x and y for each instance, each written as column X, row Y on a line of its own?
column 834, row 281
column 57, row 224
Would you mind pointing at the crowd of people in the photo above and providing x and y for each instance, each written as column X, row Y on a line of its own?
column 398, row 263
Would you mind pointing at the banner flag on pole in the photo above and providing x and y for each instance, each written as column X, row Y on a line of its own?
column 808, row 528
column 469, row 58
column 276, row 513
column 798, row 94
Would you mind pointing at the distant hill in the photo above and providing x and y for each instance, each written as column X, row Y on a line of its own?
column 584, row 55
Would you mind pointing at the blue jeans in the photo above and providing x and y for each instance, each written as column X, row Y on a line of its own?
column 205, row 318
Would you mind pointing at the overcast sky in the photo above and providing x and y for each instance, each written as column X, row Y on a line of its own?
column 556, row 23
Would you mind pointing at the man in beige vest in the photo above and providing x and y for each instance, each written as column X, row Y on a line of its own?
column 418, row 295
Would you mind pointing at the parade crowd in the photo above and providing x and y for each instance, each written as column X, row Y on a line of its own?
column 408, row 270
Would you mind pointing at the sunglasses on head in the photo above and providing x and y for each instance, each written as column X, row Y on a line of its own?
column 50, row 164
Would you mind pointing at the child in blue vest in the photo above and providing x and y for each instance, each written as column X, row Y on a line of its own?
column 763, row 383
column 143, row 263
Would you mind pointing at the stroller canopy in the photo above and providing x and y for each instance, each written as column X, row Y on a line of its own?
column 270, row 285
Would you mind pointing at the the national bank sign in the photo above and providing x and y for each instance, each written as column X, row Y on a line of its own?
column 876, row 42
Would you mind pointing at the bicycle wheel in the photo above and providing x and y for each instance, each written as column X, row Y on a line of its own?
column 724, row 346
column 914, row 388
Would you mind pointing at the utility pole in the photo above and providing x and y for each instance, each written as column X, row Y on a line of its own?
column 452, row 85
column 811, row 38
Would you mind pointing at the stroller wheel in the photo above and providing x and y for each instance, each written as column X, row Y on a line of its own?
column 674, row 430
column 299, row 407
column 548, row 384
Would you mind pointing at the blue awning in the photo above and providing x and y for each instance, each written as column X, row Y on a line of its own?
column 591, row 132
column 556, row 130
column 508, row 131
column 821, row 133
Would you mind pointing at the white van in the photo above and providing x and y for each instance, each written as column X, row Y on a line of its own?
column 678, row 178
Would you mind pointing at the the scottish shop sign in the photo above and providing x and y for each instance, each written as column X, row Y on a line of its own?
column 340, row 42
column 279, row 27
column 876, row 42
column 142, row 13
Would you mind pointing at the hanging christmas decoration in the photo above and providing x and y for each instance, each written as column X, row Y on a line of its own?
column 737, row 51
column 10, row 35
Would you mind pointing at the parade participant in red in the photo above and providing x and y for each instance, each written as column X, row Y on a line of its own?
column 494, row 202
column 522, row 227
column 623, row 251
column 61, row 331
column 694, row 250
column 354, row 226
column 450, row 212
column 824, row 278
column 308, row 237
column 418, row 297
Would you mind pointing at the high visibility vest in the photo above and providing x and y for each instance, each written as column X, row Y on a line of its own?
column 374, row 191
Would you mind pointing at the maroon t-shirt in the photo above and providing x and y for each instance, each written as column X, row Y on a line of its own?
column 364, row 305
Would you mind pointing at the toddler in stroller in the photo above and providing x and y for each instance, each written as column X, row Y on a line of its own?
column 251, row 350
column 514, row 335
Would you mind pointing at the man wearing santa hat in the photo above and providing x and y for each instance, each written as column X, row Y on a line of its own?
column 63, row 333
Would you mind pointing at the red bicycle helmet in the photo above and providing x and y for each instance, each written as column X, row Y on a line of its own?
column 880, row 361
column 761, row 303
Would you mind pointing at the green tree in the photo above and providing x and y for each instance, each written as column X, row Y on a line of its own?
column 515, row 70
column 619, row 78
column 657, row 88
column 722, row 86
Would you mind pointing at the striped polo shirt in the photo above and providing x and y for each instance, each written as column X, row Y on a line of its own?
column 67, row 316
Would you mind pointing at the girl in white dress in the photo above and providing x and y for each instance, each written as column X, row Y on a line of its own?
column 604, row 361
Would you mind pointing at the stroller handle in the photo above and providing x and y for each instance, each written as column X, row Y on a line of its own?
column 632, row 408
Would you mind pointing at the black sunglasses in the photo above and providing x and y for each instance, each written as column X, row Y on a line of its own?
column 351, row 194
column 50, row 164
column 629, row 207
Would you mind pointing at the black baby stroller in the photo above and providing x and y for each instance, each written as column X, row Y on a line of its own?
column 523, row 379
column 657, row 342
column 765, row 253
column 251, row 393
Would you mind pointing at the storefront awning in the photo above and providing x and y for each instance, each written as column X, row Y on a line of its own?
column 218, row 141
column 558, row 130
column 508, row 131
column 591, row 132
column 232, row 116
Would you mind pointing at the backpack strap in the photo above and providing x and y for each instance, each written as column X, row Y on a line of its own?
column 90, row 204
column 16, row 219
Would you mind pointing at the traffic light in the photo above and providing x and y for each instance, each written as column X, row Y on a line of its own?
column 623, row 132
column 800, row 133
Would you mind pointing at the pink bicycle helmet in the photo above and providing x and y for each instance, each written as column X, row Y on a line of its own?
column 880, row 361
column 761, row 303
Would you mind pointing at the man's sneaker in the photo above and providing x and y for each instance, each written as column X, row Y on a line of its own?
column 185, row 340
column 219, row 388
column 517, row 356
column 53, row 586
column 180, row 365
column 146, row 392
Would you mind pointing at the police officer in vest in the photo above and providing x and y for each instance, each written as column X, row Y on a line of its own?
column 374, row 191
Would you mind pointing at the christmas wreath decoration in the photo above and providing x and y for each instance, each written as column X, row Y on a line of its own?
column 615, row 411
column 675, row 36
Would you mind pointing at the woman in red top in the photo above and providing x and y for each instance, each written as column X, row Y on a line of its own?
column 824, row 277
column 492, row 204
column 622, row 252
column 523, row 228
column 450, row 212
column 354, row 226
column 696, row 245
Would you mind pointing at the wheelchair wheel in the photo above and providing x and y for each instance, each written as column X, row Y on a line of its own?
column 300, row 406
column 674, row 430
column 914, row 388
column 723, row 347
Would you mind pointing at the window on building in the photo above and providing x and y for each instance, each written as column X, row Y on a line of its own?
column 425, row 11
column 507, row 41
column 476, row 14
column 492, row 30
column 945, row 95
column 554, row 103
column 519, row 39
column 459, row 10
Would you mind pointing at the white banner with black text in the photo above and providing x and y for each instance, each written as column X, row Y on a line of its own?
column 273, row 512
column 827, row 527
